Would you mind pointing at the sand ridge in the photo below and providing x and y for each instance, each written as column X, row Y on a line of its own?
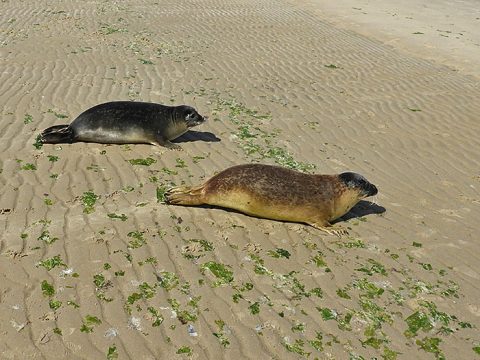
column 93, row 265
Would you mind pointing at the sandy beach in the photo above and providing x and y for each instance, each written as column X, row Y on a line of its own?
column 94, row 265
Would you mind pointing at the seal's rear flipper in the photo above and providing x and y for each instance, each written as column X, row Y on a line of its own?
column 184, row 195
column 57, row 134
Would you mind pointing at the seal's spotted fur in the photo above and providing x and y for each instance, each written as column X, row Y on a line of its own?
column 278, row 193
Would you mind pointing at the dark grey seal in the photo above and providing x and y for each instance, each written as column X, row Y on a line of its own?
column 126, row 122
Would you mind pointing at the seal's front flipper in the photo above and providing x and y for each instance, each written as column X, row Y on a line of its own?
column 329, row 229
column 168, row 144
column 57, row 134
column 336, row 230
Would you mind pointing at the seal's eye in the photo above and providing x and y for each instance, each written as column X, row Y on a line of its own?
column 191, row 115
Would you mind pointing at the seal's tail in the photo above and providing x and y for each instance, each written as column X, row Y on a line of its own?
column 57, row 134
column 185, row 195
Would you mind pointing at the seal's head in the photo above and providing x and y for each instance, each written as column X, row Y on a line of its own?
column 350, row 188
column 358, row 183
column 190, row 116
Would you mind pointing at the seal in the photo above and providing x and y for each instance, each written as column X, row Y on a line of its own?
column 278, row 193
column 126, row 122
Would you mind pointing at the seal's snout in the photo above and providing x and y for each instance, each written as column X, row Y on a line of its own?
column 357, row 181
column 367, row 189
column 372, row 190
column 201, row 119
column 190, row 116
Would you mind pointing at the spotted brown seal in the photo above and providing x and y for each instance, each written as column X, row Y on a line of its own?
column 278, row 193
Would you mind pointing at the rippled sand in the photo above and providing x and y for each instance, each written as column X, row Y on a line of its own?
column 94, row 265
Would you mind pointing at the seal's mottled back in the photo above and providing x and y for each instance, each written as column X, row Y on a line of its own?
column 122, row 122
column 278, row 193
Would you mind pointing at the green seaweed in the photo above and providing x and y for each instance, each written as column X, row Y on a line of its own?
column 54, row 304
column 259, row 268
column 278, row 253
column 296, row 347
column 370, row 290
column 221, row 335
column 106, row 29
column 161, row 191
column 89, row 322
column 29, row 166
column 317, row 343
column 169, row 172
column 253, row 140
column 51, row 263
column 27, row 119
column 254, row 308
column 319, row 260
column 343, row 294
column 426, row 321
column 426, row 266
column 185, row 350
column 99, row 281
column 57, row 115
column 373, row 342
column 122, row 217
column 112, row 353
column 46, row 238
column 145, row 62
column 185, row 316
column 73, row 303
column 147, row 291
column 128, row 188
column 89, row 198
column 168, row 280
column 145, row 162
column 431, row 345
column 327, row 314
column 220, row 271
column 38, row 144
column 138, row 239
column 156, row 317
column 375, row 268
column 300, row 327
column 389, row 354
column 131, row 299
column 47, row 288
column 180, row 163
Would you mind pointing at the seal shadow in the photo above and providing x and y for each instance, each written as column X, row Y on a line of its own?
column 362, row 208
column 193, row 135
